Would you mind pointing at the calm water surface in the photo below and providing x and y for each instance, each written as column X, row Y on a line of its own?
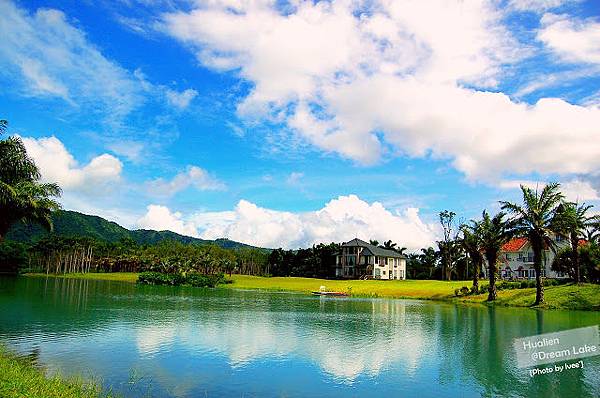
column 185, row 342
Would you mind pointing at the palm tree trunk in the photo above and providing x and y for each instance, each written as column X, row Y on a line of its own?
column 575, row 255
column 537, row 245
column 492, row 258
column 476, row 278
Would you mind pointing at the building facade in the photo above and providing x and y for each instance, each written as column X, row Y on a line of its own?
column 516, row 260
column 358, row 259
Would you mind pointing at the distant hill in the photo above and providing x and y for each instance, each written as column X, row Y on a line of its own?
column 72, row 223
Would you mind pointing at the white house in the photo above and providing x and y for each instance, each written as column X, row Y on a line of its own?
column 359, row 259
column 516, row 260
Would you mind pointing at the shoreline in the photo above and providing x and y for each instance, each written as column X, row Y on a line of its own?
column 584, row 297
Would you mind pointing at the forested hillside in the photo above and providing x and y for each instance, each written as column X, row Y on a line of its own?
column 71, row 224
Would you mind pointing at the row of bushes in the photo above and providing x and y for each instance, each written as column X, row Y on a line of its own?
column 505, row 285
column 176, row 279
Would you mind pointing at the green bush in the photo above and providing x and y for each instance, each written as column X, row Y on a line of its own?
column 483, row 289
column 193, row 279
column 464, row 290
column 457, row 292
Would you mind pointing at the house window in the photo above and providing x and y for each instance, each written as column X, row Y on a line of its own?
column 383, row 272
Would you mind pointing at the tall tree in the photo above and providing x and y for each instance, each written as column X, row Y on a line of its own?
column 535, row 218
column 446, row 245
column 22, row 196
column 471, row 243
column 572, row 221
column 494, row 232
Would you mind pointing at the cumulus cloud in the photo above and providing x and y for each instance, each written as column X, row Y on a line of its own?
column 372, row 81
column 339, row 220
column 194, row 176
column 53, row 58
column 575, row 190
column 574, row 40
column 160, row 218
column 58, row 165
column 181, row 100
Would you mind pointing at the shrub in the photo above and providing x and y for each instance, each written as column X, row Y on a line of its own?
column 474, row 290
column 464, row 290
column 457, row 292
column 194, row 279
column 483, row 289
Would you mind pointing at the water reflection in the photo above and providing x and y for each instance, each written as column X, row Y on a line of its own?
column 188, row 342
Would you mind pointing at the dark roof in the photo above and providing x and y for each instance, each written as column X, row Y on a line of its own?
column 373, row 250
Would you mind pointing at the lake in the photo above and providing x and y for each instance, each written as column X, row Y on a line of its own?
column 189, row 342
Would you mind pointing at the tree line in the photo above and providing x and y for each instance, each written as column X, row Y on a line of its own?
column 543, row 215
column 463, row 251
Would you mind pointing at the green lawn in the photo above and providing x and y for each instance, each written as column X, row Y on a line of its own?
column 369, row 288
column 20, row 379
column 582, row 297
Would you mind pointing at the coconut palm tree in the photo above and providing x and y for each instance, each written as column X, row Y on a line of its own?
column 493, row 233
column 389, row 245
column 471, row 243
column 573, row 221
column 536, row 219
column 22, row 196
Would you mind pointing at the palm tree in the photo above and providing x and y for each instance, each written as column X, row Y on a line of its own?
column 472, row 245
column 536, row 219
column 22, row 196
column 573, row 221
column 493, row 233
column 389, row 245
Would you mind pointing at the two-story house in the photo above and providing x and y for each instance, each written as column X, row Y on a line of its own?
column 359, row 259
column 516, row 260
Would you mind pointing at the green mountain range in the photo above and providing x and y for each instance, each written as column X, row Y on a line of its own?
column 72, row 223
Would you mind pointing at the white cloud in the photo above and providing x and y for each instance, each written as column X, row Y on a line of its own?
column 194, row 176
column 387, row 78
column 516, row 184
column 575, row 190
column 574, row 40
column 53, row 58
column 58, row 165
column 340, row 220
column 538, row 5
column 295, row 178
column 181, row 100
column 160, row 218
column 579, row 191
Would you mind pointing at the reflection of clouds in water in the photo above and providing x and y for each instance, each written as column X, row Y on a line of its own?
column 355, row 344
column 242, row 340
column 153, row 338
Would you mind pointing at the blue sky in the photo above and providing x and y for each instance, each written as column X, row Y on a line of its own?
column 289, row 123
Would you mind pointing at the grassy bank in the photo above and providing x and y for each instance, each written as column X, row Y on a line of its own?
column 19, row 378
column 370, row 288
column 114, row 276
column 582, row 297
